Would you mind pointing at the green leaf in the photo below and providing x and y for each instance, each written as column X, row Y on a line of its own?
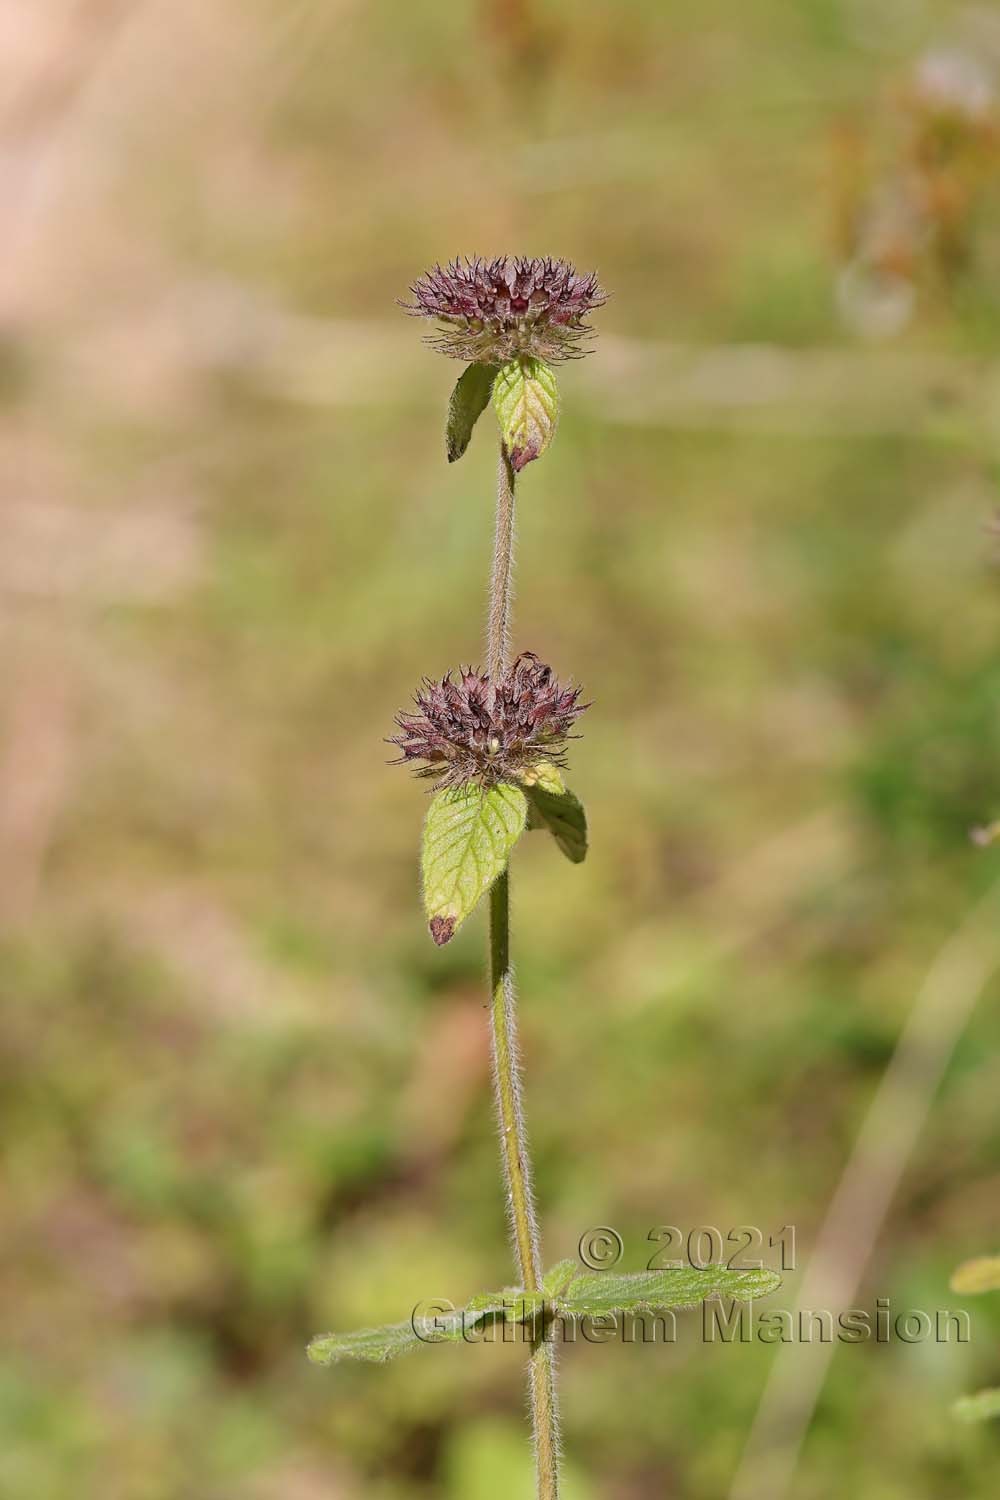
column 469, row 400
column 447, row 1325
column 468, row 835
column 376, row 1345
column 978, row 1408
column 643, row 1291
column 979, row 1275
column 561, row 812
column 515, row 1304
column 557, row 1276
column 547, row 775
column 568, row 1293
column 526, row 401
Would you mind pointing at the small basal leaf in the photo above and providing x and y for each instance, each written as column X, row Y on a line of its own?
column 644, row 1291
column 468, row 835
column 979, row 1275
column 469, row 400
column 526, row 401
column 978, row 1408
column 515, row 1305
column 559, row 1276
column 561, row 812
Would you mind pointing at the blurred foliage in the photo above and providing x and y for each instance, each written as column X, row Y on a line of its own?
column 245, row 1098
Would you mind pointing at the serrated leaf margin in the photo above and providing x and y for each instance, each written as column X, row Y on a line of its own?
column 526, row 401
column 468, row 834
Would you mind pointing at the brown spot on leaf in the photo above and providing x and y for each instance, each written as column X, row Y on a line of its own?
column 442, row 930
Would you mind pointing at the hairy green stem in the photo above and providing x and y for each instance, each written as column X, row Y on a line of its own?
column 501, row 579
column 506, row 1072
column 513, row 1135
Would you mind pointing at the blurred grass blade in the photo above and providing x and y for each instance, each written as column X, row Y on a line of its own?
column 979, row 1275
column 469, row 400
column 468, row 835
column 606, row 1292
column 978, row 1408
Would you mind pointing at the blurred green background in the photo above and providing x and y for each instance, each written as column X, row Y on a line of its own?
column 245, row 1100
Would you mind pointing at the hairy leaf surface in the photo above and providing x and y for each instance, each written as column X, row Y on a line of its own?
column 469, row 400
column 562, row 813
column 608, row 1292
column 448, row 1326
column 468, row 836
column 526, row 401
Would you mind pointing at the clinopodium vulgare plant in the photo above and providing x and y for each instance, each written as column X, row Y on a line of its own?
column 494, row 743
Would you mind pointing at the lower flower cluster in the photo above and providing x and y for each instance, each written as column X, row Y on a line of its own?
column 472, row 729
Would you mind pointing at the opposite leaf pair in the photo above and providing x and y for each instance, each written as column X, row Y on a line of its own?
column 567, row 1294
column 470, row 831
column 525, row 399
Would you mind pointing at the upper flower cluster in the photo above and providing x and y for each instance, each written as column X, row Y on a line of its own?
column 492, row 311
column 477, row 730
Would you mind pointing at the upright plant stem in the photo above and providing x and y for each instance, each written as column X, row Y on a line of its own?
column 513, row 1135
column 506, row 1074
column 501, row 579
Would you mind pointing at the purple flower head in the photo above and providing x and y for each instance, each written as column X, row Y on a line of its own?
column 472, row 729
column 492, row 311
